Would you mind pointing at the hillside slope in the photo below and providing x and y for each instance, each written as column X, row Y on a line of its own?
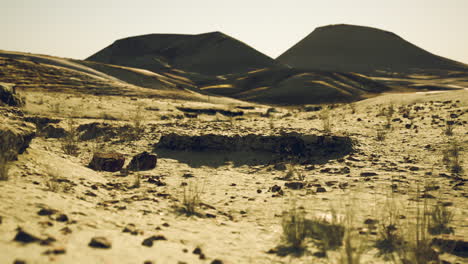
column 211, row 53
column 362, row 49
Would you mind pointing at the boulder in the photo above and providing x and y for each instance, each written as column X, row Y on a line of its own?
column 143, row 161
column 107, row 161
column 15, row 137
column 54, row 131
column 8, row 95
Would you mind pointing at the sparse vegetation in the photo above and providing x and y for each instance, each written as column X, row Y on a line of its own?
column 451, row 157
column 381, row 134
column 327, row 234
column 294, row 229
column 70, row 141
column 440, row 219
column 4, row 168
column 449, row 126
column 191, row 199
column 326, row 122
column 52, row 180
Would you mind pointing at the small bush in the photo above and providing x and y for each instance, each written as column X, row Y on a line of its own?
column 70, row 141
column 327, row 235
column 4, row 168
column 451, row 157
column 326, row 122
column 294, row 229
column 53, row 180
column 191, row 200
column 381, row 134
column 440, row 219
column 351, row 254
column 449, row 126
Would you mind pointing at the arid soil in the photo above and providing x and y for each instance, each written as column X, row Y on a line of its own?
column 55, row 209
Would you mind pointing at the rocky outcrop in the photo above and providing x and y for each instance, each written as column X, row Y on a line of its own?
column 107, row 162
column 143, row 161
column 15, row 137
column 286, row 145
column 105, row 130
column 54, row 131
column 8, row 95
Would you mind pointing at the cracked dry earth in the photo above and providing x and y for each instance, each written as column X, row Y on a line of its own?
column 54, row 209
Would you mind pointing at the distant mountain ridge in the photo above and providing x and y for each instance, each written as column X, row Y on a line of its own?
column 211, row 53
column 362, row 49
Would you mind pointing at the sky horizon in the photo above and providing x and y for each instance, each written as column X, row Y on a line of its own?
column 78, row 29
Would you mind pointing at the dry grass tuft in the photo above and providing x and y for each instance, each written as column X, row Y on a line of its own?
column 4, row 168
column 191, row 199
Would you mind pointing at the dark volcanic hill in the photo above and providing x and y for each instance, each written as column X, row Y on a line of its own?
column 211, row 53
column 362, row 49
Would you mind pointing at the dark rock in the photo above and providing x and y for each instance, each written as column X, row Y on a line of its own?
column 143, row 161
column 197, row 251
column 94, row 130
column 56, row 251
column 62, row 218
column 321, row 189
column 149, row 241
column 216, row 261
column 100, row 242
column 368, row 174
column 47, row 211
column 107, row 162
column 54, row 131
column 320, row 254
column 130, row 228
column 287, row 144
column 280, row 167
column 19, row 261
column 275, row 188
column 8, row 95
column 294, row 185
column 25, row 237
column 15, row 137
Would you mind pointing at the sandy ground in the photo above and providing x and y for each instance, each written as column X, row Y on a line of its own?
column 241, row 217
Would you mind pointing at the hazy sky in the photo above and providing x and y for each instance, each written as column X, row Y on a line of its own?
column 79, row 28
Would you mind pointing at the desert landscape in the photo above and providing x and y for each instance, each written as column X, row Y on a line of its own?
column 350, row 147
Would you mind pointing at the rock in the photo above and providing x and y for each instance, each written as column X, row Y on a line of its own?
column 8, row 95
column 143, row 161
column 54, row 131
column 287, row 144
column 320, row 189
column 130, row 228
column 40, row 121
column 368, row 174
column 280, row 167
column 294, row 185
column 197, row 251
column 216, row 261
column 55, row 251
column 149, row 241
column 25, row 237
column 19, row 261
column 15, row 137
column 61, row 218
column 275, row 188
column 107, row 161
column 46, row 211
column 94, row 130
column 100, row 242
